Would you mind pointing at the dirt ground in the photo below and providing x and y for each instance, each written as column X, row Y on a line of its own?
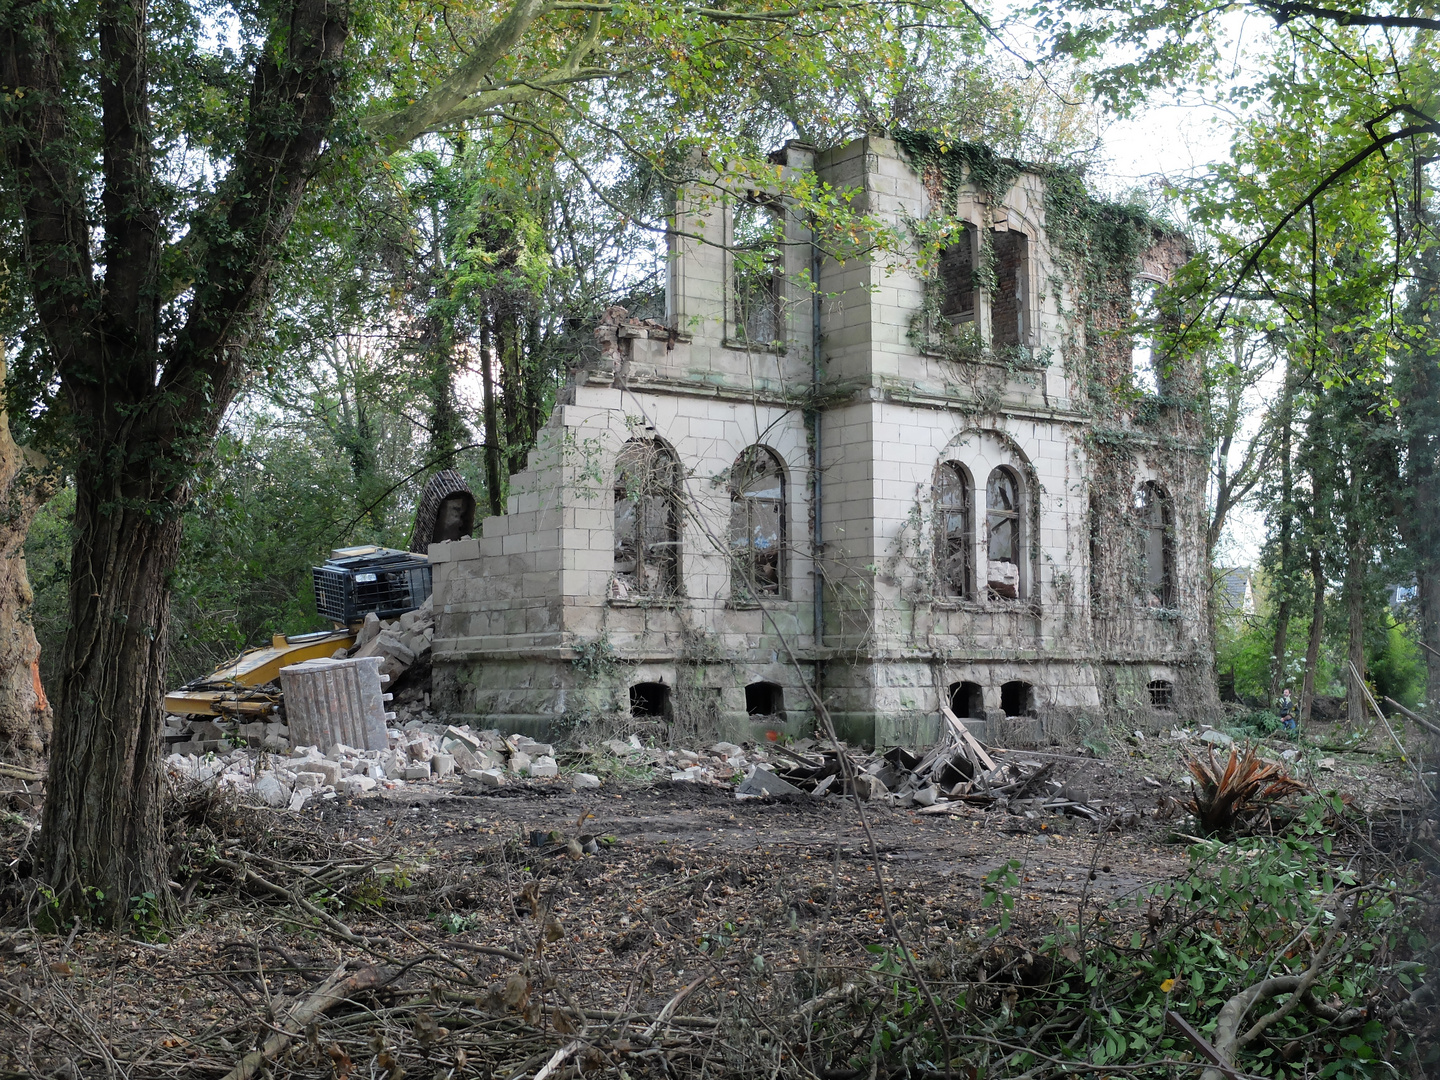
column 491, row 921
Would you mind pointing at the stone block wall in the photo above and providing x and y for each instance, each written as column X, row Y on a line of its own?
column 532, row 627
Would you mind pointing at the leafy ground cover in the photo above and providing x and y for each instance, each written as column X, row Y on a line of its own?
column 650, row 928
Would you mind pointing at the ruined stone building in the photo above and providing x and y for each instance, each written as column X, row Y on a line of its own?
column 996, row 488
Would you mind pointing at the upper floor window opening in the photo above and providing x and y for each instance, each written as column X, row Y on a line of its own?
column 647, row 519
column 954, row 540
column 1003, row 534
column 1009, row 306
column 757, row 258
column 1156, row 517
column 757, row 524
column 957, row 277
column 1145, row 318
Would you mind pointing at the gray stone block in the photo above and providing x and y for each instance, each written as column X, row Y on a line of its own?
column 765, row 782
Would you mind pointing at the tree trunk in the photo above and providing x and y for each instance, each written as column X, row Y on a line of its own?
column 1429, row 582
column 1356, row 707
column 143, row 389
column 493, row 479
column 1285, row 579
column 101, row 840
column 1317, row 631
column 25, row 716
column 1277, row 650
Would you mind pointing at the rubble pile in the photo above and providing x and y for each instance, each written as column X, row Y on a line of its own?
column 956, row 772
column 418, row 752
column 404, row 644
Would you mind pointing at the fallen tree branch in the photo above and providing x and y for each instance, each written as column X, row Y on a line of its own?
column 1409, row 715
column 246, row 874
column 332, row 991
column 1232, row 1014
column 19, row 772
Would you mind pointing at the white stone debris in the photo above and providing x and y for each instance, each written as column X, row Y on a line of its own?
column 419, row 751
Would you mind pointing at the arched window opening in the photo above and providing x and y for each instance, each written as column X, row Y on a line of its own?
column 650, row 700
column 647, row 519
column 957, row 278
column 954, row 541
column 1002, row 531
column 967, row 700
column 1162, row 694
column 757, row 524
column 758, row 262
column 1009, row 314
column 1157, row 546
column 1017, row 699
column 765, row 699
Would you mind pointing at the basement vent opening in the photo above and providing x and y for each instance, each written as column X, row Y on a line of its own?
column 764, row 699
column 650, row 700
column 1017, row 699
column 1162, row 694
column 967, row 701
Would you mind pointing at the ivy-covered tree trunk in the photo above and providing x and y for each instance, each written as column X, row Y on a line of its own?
column 1419, row 509
column 144, row 380
column 494, row 481
column 1285, row 578
column 1317, row 629
column 1355, row 566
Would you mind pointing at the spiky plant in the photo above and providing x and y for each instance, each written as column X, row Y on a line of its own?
column 1225, row 796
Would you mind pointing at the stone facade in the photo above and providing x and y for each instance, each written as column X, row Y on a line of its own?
column 995, row 531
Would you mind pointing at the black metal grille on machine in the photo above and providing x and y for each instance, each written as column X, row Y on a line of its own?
column 356, row 581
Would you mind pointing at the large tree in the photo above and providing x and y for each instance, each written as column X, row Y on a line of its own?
column 155, row 157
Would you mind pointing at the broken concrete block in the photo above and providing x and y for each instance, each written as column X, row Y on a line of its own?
column 618, row 748
column 520, row 762
column 1216, row 738
column 310, row 780
column 694, row 774
column 298, row 798
column 271, row 791
column 489, row 777
column 330, row 770
column 585, row 780
column 442, row 765
column 927, row 795
column 369, row 630
column 277, row 744
column 470, row 741
column 355, row 785
column 544, row 767
column 419, row 770
column 391, row 645
column 252, row 732
column 765, row 782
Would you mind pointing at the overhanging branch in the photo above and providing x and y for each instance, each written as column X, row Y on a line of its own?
column 1288, row 11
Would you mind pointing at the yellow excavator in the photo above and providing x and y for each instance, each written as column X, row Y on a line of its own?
column 353, row 582
column 236, row 689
